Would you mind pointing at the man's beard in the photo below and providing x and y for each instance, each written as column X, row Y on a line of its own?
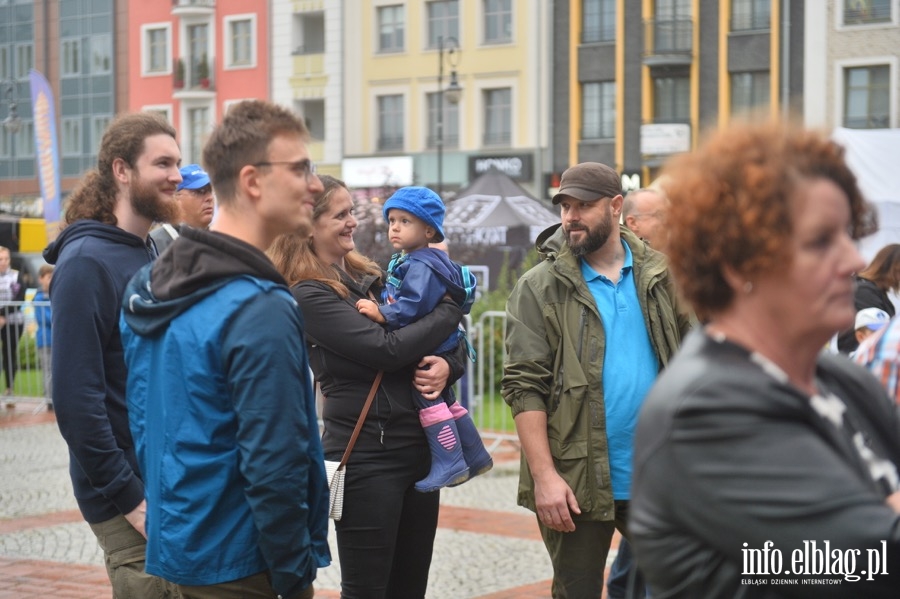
column 593, row 241
column 147, row 201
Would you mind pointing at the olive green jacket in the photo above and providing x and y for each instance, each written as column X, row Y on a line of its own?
column 555, row 346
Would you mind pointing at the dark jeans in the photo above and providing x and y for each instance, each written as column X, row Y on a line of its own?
column 579, row 557
column 386, row 534
column 624, row 570
column 9, row 339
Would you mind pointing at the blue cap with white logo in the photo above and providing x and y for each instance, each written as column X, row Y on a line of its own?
column 193, row 177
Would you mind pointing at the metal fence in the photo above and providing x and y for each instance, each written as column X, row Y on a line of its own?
column 479, row 390
column 20, row 357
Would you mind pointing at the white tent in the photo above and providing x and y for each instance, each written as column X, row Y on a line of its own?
column 874, row 157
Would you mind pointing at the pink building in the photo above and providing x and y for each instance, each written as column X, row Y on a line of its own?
column 191, row 59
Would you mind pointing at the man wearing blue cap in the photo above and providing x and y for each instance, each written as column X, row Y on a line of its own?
column 195, row 198
column 418, row 278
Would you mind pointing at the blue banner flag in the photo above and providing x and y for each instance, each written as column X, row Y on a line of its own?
column 43, row 108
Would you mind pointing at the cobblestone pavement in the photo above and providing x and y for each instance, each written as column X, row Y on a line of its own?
column 486, row 546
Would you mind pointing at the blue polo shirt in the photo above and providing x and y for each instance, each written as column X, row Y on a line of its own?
column 630, row 365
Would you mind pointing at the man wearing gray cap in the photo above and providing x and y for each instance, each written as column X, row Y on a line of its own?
column 196, row 201
column 600, row 303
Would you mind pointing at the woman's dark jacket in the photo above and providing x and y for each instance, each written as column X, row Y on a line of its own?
column 346, row 350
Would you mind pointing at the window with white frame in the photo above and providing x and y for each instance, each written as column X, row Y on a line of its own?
column 391, row 28
column 101, row 53
column 497, row 21
column 99, row 125
column 156, row 48
column 748, row 15
column 749, row 90
column 599, row 21
column 390, row 122
column 71, row 136
column 450, row 119
column 24, row 60
column 240, row 45
column 71, row 57
column 867, row 12
column 198, row 121
column 598, row 105
column 867, row 97
column 497, row 117
column 443, row 21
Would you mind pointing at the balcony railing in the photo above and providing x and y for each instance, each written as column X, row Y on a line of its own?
column 185, row 8
column 450, row 141
column 501, row 138
column 190, row 76
column 856, row 13
column 668, row 37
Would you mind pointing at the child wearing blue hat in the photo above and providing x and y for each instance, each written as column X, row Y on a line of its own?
column 418, row 278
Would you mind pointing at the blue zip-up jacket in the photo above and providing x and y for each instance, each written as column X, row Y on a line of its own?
column 94, row 262
column 417, row 282
column 42, row 317
column 223, row 416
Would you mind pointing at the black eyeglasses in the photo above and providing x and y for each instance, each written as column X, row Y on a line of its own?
column 305, row 167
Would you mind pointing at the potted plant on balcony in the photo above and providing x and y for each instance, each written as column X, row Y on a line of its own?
column 203, row 72
column 178, row 80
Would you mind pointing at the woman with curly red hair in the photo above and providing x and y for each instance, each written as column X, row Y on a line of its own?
column 754, row 438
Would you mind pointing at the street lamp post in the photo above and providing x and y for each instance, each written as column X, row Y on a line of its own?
column 453, row 92
column 11, row 123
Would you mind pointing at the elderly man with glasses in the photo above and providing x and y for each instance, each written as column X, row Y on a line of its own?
column 196, row 202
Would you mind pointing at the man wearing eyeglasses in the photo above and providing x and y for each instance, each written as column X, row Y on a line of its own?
column 644, row 213
column 220, row 397
column 197, row 204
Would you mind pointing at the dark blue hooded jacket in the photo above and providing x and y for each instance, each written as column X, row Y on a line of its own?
column 223, row 416
column 417, row 282
column 94, row 262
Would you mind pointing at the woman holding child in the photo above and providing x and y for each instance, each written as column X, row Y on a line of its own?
column 386, row 534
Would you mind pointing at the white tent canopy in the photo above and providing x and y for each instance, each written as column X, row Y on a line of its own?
column 874, row 157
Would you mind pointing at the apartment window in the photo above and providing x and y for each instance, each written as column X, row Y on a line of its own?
column 451, row 121
column 308, row 33
column 313, row 113
column 443, row 21
column 4, row 62
column 71, row 136
column 390, row 122
column 390, row 29
column 71, row 57
column 672, row 99
column 198, row 48
column 199, row 126
column 749, row 90
column 24, row 60
column 497, row 21
column 598, row 107
column 747, row 15
column 672, row 26
column 240, row 42
column 25, row 139
column 867, row 97
column 156, row 50
column 865, row 12
column 101, row 53
column 497, row 117
column 98, row 128
column 599, row 18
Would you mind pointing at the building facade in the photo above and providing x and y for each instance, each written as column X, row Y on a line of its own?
column 401, row 60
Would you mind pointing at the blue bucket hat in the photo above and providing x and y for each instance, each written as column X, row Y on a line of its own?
column 422, row 203
column 193, row 177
